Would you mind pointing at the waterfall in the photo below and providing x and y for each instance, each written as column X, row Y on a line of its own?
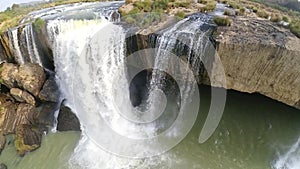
column 14, row 41
column 24, row 46
column 92, row 72
column 87, row 71
column 289, row 160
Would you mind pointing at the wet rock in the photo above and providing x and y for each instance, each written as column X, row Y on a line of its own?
column 8, row 74
column 2, row 143
column 3, row 166
column 13, row 115
column 28, row 138
column 50, row 91
column 67, row 120
column 31, row 77
column 22, row 96
column 45, row 113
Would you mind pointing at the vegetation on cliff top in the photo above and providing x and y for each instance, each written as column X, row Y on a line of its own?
column 12, row 16
column 39, row 24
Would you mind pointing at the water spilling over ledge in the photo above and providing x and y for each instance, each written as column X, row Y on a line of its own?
column 91, row 74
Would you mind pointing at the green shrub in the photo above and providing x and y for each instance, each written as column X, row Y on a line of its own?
column 275, row 18
column 180, row 14
column 295, row 27
column 128, row 1
column 254, row 9
column 162, row 4
column 227, row 12
column 222, row 21
column 285, row 19
column 234, row 5
column 222, row 1
column 262, row 14
column 242, row 10
column 39, row 24
column 182, row 4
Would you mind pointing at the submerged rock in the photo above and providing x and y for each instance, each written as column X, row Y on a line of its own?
column 28, row 138
column 67, row 120
column 22, row 96
column 3, row 166
column 31, row 77
column 2, row 142
column 50, row 91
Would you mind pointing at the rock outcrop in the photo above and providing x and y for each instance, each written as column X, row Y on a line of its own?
column 3, row 166
column 50, row 91
column 28, row 138
column 260, row 57
column 2, row 142
column 22, row 112
column 22, row 96
column 67, row 120
column 31, row 77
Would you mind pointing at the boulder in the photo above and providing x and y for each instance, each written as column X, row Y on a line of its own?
column 22, row 96
column 50, row 91
column 8, row 74
column 7, row 114
column 28, row 138
column 3, row 166
column 2, row 142
column 13, row 115
column 67, row 120
column 31, row 77
column 45, row 113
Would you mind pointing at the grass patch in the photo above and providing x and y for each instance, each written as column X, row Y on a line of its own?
column 210, row 6
column 262, row 14
column 234, row 5
column 222, row 21
column 180, row 14
column 182, row 4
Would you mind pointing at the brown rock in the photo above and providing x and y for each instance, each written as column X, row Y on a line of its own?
column 263, row 59
column 8, row 74
column 13, row 115
column 28, row 138
column 31, row 77
column 22, row 96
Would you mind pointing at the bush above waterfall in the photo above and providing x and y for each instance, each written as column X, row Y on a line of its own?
column 39, row 24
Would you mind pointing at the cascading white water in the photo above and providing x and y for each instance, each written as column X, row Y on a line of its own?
column 25, row 38
column 289, row 160
column 87, row 78
column 14, row 41
column 33, row 53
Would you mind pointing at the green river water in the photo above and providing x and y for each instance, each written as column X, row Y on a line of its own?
column 253, row 133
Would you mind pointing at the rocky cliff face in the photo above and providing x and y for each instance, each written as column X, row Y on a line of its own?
column 260, row 57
